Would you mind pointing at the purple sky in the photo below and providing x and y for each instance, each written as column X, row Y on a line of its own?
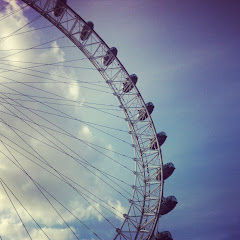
column 186, row 57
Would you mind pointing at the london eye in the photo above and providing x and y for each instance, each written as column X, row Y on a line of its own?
column 61, row 172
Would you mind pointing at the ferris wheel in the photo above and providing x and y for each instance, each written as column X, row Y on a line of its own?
column 32, row 106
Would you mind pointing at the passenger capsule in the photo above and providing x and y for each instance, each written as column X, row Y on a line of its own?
column 59, row 7
column 168, row 204
column 86, row 31
column 168, row 170
column 130, row 83
column 142, row 113
column 166, row 235
column 110, row 56
column 161, row 137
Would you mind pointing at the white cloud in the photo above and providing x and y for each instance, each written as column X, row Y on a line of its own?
column 12, row 228
column 84, row 212
column 54, row 234
column 118, row 206
column 55, row 54
column 11, row 25
column 9, row 227
column 85, row 133
column 74, row 91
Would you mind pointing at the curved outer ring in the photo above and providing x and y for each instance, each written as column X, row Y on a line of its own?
column 147, row 192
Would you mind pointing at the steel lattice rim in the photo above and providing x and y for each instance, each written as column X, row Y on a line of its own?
column 147, row 162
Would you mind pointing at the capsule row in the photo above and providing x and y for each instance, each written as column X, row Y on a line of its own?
column 170, row 202
column 86, row 32
column 167, row 205
column 87, row 27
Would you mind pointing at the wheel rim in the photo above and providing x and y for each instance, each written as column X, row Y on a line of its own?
column 147, row 192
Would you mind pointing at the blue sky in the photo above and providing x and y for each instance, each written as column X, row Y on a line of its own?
column 186, row 57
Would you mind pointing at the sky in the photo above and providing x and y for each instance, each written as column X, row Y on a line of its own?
column 186, row 58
